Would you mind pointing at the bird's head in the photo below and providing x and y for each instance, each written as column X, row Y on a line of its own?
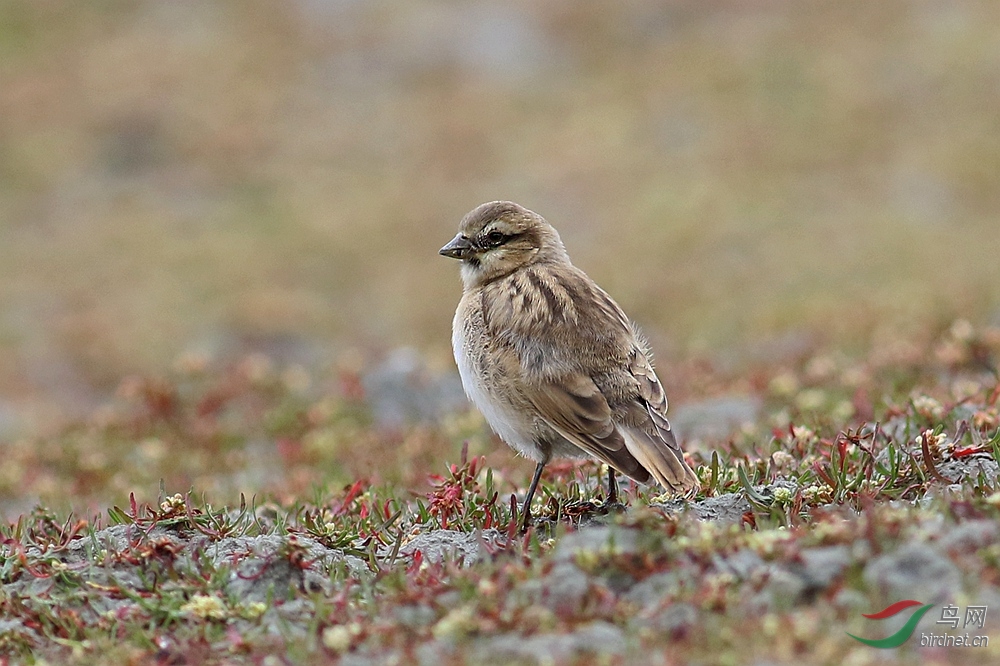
column 497, row 238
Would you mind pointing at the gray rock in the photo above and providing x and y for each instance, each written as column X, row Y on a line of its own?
column 851, row 601
column 673, row 620
column 783, row 590
column 415, row 617
column 272, row 578
column 914, row 571
column 265, row 546
column 118, row 539
column 790, row 584
column 435, row 653
column 13, row 633
column 970, row 468
column 467, row 548
column 564, row 589
column 372, row 659
column 650, row 592
column 822, row 566
column 970, row 536
column 605, row 539
column 261, row 569
column 291, row 619
column 725, row 508
column 900, row 429
column 597, row 639
column 743, row 564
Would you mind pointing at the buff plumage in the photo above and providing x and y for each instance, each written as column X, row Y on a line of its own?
column 550, row 359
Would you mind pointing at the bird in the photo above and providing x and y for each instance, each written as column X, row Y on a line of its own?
column 550, row 359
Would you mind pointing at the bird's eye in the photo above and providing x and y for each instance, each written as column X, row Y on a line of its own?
column 495, row 237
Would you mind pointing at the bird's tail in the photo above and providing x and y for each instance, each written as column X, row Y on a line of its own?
column 662, row 457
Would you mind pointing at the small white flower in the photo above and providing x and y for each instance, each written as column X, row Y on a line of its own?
column 172, row 503
column 458, row 622
column 803, row 433
column 782, row 458
column 337, row 638
column 254, row 609
column 206, row 606
column 928, row 407
column 783, row 495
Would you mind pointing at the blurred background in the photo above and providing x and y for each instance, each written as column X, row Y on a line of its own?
column 207, row 178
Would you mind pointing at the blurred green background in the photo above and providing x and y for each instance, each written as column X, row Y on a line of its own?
column 222, row 177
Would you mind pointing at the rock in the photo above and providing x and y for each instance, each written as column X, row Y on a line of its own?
column 674, row 620
column 822, row 566
column 914, row 571
column 783, row 589
column 726, row 508
column 597, row 544
column 262, row 569
column 970, row 536
column 970, row 468
column 436, row 652
column 743, row 564
column 600, row 539
column 599, row 638
column 467, row 548
column 901, row 430
column 373, row 659
column 14, row 632
column 415, row 617
column 851, row 601
column 596, row 640
column 564, row 589
column 649, row 593
column 291, row 619
column 790, row 584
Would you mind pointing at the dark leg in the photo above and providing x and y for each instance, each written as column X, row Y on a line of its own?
column 526, row 509
column 612, row 486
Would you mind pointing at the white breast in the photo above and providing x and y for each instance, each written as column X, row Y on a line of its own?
column 513, row 427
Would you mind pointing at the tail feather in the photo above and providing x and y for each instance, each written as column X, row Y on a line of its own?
column 662, row 457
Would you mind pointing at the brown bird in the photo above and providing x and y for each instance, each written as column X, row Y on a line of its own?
column 550, row 359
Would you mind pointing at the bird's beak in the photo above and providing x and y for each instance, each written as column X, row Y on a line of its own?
column 459, row 248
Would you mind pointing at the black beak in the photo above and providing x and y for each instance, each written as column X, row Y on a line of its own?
column 460, row 247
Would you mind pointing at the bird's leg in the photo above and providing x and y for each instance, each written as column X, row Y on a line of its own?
column 526, row 509
column 612, row 486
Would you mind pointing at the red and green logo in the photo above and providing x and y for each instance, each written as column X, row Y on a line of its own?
column 904, row 632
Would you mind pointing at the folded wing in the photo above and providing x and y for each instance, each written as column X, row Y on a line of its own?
column 576, row 409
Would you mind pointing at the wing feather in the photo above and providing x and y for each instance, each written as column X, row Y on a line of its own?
column 576, row 409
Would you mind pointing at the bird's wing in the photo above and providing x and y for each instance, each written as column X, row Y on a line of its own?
column 652, row 441
column 651, row 393
column 576, row 409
